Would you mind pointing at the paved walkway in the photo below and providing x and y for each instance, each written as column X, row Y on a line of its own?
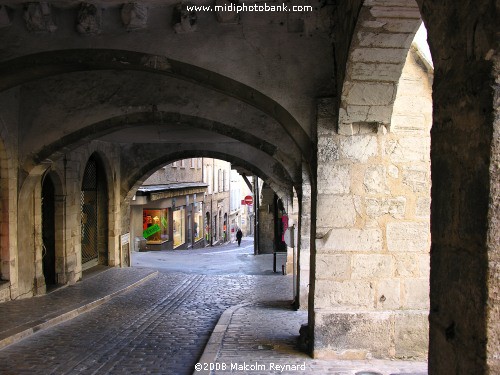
column 261, row 338
column 24, row 317
column 163, row 323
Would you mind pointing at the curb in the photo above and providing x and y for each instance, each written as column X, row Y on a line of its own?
column 214, row 344
column 18, row 333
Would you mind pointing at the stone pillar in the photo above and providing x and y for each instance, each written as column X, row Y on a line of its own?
column 371, row 266
column 304, row 241
column 464, row 319
column 266, row 220
column 292, row 208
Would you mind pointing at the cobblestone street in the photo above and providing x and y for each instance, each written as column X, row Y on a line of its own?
column 160, row 327
column 163, row 325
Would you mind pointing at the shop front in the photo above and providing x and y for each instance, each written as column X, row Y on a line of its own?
column 168, row 217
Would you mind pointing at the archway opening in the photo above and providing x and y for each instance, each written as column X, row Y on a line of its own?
column 94, row 215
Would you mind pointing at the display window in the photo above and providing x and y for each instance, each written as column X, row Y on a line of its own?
column 198, row 223
column 155, row 225
column 179, row 227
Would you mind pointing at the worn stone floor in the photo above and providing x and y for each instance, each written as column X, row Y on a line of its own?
column 162, row 324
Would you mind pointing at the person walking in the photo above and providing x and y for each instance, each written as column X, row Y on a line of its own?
column 239, row 234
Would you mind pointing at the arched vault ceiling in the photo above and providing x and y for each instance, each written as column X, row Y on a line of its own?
column 127, row 67
column 65, row 111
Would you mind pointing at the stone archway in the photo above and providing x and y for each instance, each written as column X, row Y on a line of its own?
column 94, row 214
column 379, row 46
column 370, row 274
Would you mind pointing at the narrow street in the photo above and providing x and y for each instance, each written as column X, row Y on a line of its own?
column 159, row 327
column 227, row 259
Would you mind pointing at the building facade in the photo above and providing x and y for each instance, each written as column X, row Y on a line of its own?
column 172, row 210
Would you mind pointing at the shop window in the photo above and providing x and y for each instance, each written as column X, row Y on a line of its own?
column 155, row 225
column 179, row 227
column 198, row 223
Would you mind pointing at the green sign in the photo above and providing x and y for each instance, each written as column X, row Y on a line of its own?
column 151, row 230
column 164, row 222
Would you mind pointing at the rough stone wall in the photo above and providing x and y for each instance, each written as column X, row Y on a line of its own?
column 463, row 37
column 493, row 331
column 373, row 237
column 8, row 194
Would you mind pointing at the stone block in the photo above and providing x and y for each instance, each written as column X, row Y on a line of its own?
column 408, row 237
column 363, row 114
column 424, row 265
column 134, row 16
column 376, row 207
column 393, row 171
column 388, row 294
column 408, row 149
column 406, row 265
column 385, row 40
column 400, row 25
column 328, row 150
column 411, row 331
column 335, row 211
column 185, row 21
column 344, row 294
column 396, row 12
column 416, row 293
column 409, row 124
column 375, row 181
column 333, row 179
column 326, row 108
column 359, row 147
column 378, row 55
column 372, row 266
column 417, row 177
column 352, row 335
column 369, row 93
column 423, row 208
column 333, row 267
column 366, row 71
column 357, row 240
column 38, row 17
column 89, row 19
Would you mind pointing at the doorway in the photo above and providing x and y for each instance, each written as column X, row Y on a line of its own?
column 48, row 232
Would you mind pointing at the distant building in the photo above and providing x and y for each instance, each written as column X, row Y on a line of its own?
column 183, row 205
column 167, row 212
column 217, row 200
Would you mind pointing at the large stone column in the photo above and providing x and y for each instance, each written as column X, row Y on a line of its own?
column 371, row 259
column 464, row 314
column 304, row 240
